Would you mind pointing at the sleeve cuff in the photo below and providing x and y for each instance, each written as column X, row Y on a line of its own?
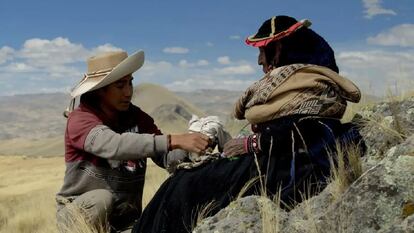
column 161, row 144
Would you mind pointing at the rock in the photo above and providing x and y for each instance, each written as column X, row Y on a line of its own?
column 384, row 126
column 245, row 215
column 376, row 200
column 400, row 227
column 306, row 214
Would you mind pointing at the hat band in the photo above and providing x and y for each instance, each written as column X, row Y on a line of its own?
column 95, row 74
column 260, row 42
column 98, row 73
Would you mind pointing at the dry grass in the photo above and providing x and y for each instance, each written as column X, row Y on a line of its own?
column 353, row 108
column 269, row 214
column 346, row 168
column 78, row 223
column 27, row 189
column 201, row 213
column 379, row 121
column 27, row 193
column 46, row 147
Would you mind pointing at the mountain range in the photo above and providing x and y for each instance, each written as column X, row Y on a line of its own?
column 34, row 124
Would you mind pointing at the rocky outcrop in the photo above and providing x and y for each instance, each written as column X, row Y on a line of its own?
column 384, row 126
column 380, row 200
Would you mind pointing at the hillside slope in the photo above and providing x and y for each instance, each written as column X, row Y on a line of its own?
column 170, row 112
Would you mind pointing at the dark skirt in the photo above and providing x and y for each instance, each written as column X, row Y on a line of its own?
column 294, row 161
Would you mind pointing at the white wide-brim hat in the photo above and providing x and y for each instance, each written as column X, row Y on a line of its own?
column 107, row 68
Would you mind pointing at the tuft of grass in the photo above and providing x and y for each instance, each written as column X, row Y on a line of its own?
column 201, row 213
column 310, row 220
column 394, row 129
column 353, row 108
column 78, row 223
column 247, row 186
column 346, row 167
column 271, row 222
column 395, row 112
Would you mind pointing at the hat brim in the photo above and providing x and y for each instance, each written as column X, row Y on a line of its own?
column 128, row 66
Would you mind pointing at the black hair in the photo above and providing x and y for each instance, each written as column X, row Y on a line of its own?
column 90, row 99
column 303, row 46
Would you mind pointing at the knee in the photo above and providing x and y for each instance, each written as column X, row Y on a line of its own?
column 102, row 200
column 97, row 206
column 94, row 206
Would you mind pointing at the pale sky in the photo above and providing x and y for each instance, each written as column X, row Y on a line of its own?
column 195, row 44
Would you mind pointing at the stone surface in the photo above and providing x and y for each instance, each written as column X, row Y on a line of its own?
column 384, row 126
column 376, row 200
column 246, row 215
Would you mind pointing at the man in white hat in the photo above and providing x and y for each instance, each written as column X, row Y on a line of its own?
column 107, row 141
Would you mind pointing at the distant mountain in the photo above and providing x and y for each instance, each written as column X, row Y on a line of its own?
column 32, row 116
column 150, row 96
column 170, row 112
column 34, row 124
column 213, row 102
column 171, row 118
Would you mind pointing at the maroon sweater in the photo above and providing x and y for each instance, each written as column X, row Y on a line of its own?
column 93, row 146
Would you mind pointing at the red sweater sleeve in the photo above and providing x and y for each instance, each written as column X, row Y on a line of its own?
column 79, row 125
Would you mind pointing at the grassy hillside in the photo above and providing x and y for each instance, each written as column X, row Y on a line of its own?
column 45, row 147
column 213, row 102
column 28, row 187
column 32, row 116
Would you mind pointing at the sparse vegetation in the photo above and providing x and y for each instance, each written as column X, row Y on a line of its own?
column 78, row 223
column 269, row 214
column 202, row 212
column 346, row 168
column 27, row 193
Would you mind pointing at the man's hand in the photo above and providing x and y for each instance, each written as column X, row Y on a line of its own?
column 192, row 142
column 244, row 145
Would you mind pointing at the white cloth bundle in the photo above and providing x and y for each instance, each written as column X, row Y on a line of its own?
column 213, row 128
